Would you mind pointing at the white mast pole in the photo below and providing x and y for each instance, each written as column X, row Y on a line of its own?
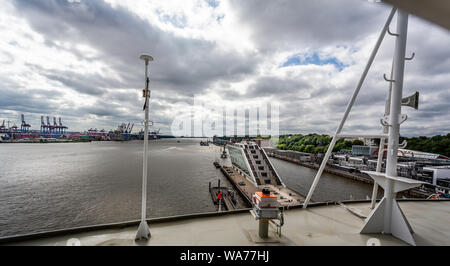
column 395, row 112
column 144, row 231
column 349, row 107
column 387, row 217
column 382, row 140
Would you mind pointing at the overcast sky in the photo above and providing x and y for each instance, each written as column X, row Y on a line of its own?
column 78, row 59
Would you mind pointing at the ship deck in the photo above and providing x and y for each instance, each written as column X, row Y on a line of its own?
column 318, row 225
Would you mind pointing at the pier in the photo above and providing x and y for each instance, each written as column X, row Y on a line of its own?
column 286, row 197
column 249, row 170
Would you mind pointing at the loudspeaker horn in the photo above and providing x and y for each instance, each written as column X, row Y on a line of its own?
column 411, row 101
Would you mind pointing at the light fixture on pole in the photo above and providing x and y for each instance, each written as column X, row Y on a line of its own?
column 143, row 231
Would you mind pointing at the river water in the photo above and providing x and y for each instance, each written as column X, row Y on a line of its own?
column 53, row 186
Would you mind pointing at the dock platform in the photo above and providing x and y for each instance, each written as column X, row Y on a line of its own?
column 286, row 197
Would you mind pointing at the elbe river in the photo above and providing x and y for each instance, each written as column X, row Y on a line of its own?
column 45, row 187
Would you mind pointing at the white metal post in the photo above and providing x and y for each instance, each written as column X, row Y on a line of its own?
column 388, row 217
column 395, row 112
column 144, row 231
column 349, row 107
column 387, row 108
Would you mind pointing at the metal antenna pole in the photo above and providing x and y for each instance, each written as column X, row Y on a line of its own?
column 395, row 112
column 143, row 231
column 387, row 217
column 387, row 109
column 349, row 107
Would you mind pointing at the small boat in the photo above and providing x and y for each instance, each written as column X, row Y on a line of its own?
column 216, row 164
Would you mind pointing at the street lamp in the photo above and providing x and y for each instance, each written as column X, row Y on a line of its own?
column 143, row 231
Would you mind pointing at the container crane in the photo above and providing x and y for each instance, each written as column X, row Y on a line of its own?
column 44, row 127
column 24, row 127
column 55, row 126
column 131, row 129
column 2, row 127
column 62, row 127
column 49, row 126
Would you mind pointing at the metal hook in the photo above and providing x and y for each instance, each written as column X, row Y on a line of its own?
column 388, row 80
column 411, row 58
column 402, row 118
column 385, row 121
column 403, row 144
column 390, row 33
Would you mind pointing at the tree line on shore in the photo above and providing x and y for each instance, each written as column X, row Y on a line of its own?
column 315, row 143
column 439, row 144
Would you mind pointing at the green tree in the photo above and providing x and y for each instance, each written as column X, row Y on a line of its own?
column 358, row 142
column 309, row 148
column 281, row 146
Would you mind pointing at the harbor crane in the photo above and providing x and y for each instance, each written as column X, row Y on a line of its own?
column 44, row 127
column 131, row 128
column 24, row 127
column 62, row 127
column 49, row 126
column 2, row 127
column 55, row 126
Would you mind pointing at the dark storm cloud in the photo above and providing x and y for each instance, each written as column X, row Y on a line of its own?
column 90, row 84
column 82, row 86
column 186, row 66
column 266, row 86
column 99, row 110
column 17, row 100
column 286, row 24
column 79, row 54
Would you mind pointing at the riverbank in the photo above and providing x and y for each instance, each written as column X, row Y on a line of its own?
column 48, row 141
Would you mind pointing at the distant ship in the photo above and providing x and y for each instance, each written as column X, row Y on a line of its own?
column 154, row 135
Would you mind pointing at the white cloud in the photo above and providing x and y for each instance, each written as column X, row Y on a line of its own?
column 78, row 59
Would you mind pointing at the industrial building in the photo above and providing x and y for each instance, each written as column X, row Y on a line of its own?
column 364, row 150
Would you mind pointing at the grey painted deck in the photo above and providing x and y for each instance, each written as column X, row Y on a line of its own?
column 321, row 225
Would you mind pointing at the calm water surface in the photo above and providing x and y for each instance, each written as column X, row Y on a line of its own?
column 329, row 188
column 54, row 186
